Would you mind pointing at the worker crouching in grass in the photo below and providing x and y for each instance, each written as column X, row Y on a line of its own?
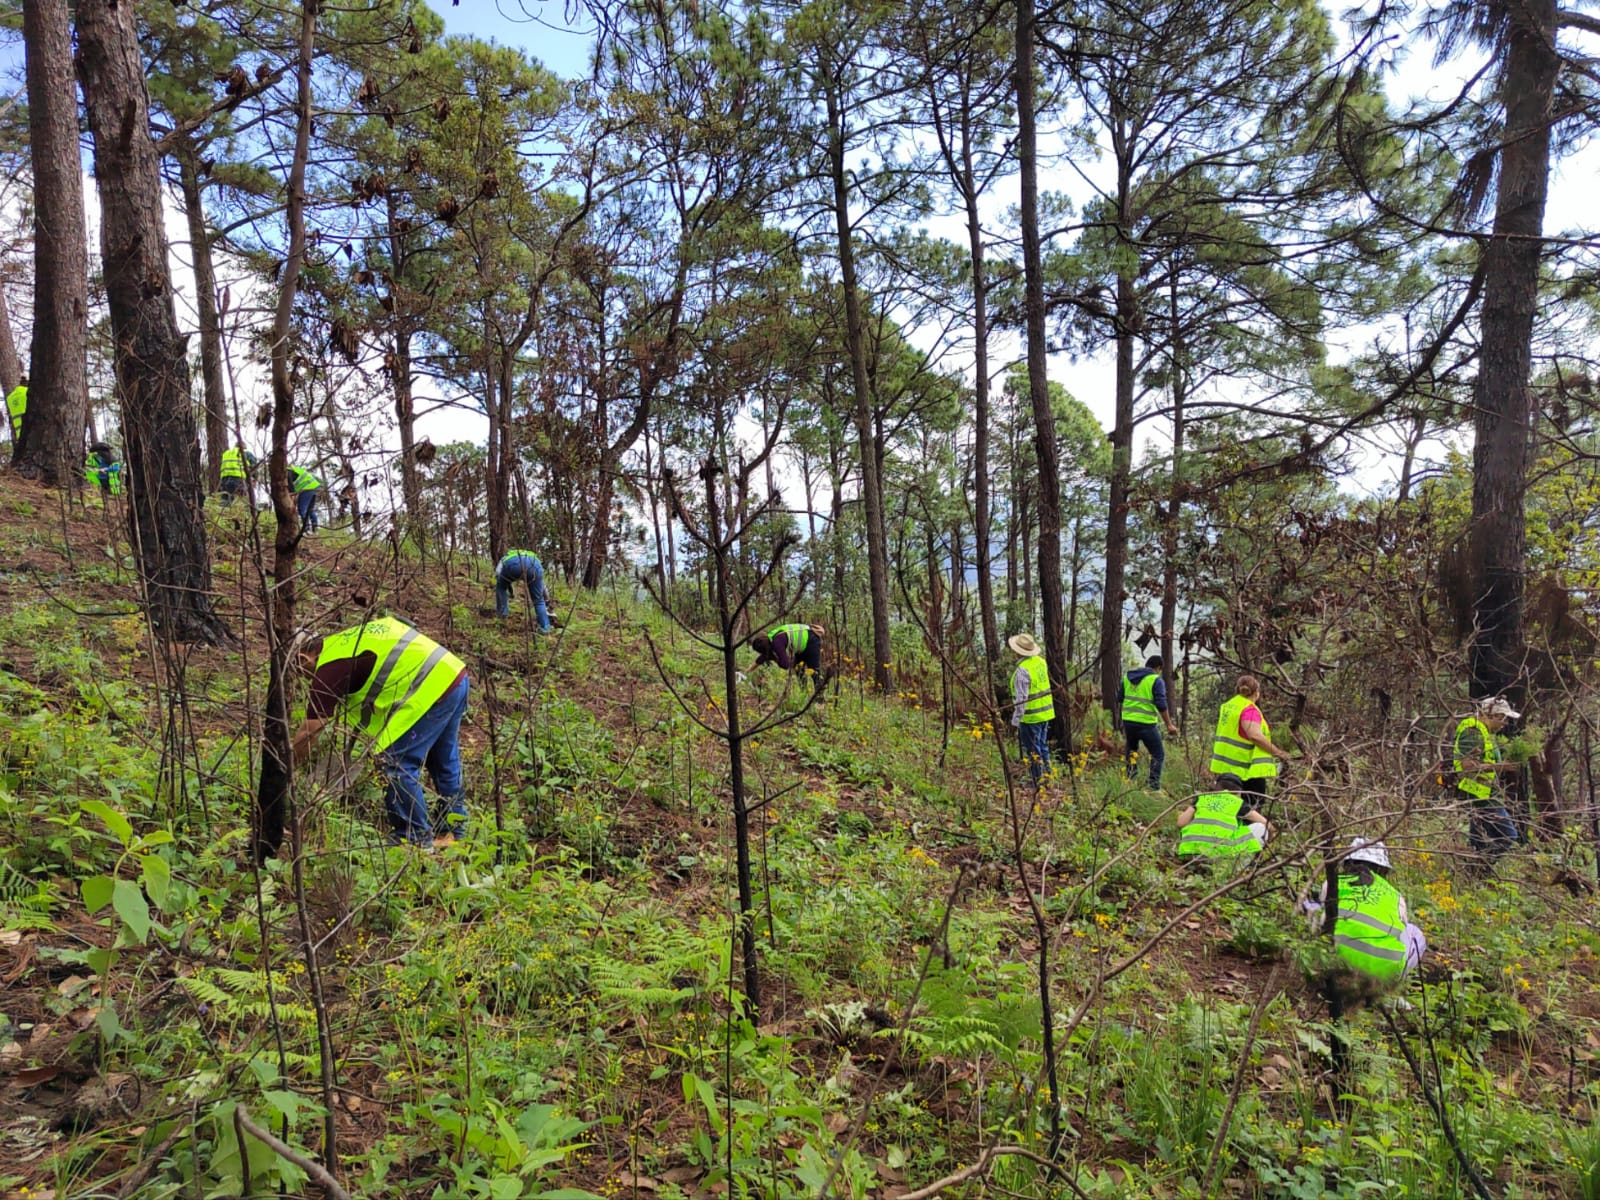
column 1376, row 943
column 1220, row 825
column 407, row 694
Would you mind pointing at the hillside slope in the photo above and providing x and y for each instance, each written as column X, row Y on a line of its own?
column 546, row 1008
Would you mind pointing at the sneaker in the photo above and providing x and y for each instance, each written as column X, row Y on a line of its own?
column 443, row 840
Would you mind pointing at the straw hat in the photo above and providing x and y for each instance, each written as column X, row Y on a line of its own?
column 1023, row 644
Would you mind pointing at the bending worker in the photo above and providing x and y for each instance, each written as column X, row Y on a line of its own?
column 104, row 469
column 1372, row 931
column 1220, row 825
column 1144, row 708
column 1243, row 757
column 1478, row 765
column 406, row 693
column 523, row 565
column 306, row 488
column 793, row 648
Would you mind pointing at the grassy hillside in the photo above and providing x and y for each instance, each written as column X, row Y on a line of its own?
column 547, row 1009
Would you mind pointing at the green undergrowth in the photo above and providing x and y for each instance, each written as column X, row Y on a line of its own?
column 549, row 1009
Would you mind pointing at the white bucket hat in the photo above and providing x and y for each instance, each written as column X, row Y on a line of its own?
column 1364, row 850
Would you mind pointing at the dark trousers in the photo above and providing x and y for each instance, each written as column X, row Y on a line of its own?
column 1139, row 733
column 306, row 505
column 1490, row 830
column 1252, row 792
column 1033, row 740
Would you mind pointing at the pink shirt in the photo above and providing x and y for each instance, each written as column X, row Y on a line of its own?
column 1250, row 715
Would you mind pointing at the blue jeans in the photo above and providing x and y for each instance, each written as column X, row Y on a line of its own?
column 1490, row 830
column 1139, row 733
column 305, row 503
column 528, row 568
column 1033, row 740
column 435, row 742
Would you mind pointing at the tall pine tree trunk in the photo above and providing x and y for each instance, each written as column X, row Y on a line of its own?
column 10, row 367
column 980, row 406
column 1044, row 421
column 1170, row 526
column 1503, row 401
column 51, row 446
column 855, row 336
column 162, row 452
column 205, row 288
column 1117, row 514
column 400, row 375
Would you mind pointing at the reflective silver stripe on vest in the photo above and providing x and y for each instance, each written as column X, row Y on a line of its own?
column 1220, row 841
column 1367, row 948
column 381, row 675
column 1371, row 922
column 1236, row 742
column 417, row 680
column 1228, row 758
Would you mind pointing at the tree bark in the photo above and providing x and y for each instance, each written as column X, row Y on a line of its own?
column 275, row 791
column 400, row 375
column 1503, row 401
column 10, row 366
column 1174, row 513
column 980, row 406
column 51, row 445
column 871, row 481
column 205, row 288
column 162, row 452
column 1044, row 421
column 1121, row 470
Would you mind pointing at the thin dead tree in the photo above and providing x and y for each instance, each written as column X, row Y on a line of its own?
column 719, row 539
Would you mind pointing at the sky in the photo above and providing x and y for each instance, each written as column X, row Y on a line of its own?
column 552, row 31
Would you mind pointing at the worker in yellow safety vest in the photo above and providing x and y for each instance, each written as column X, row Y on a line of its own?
column 1033, row 705
column 306, row 487
column 1243, row 757
column 1373, row 932
column 1220, row 825
column 16, row 405
column 1478, row 762
column 406, row 694
column 232, row 471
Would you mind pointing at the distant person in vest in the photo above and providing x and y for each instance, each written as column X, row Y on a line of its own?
column 523, row 565
column 306, row 487
column 232, row 472
column 1033, row 705
column 1372, row 931
column 16, row 405
column 1243, row 757
column 1220, row 825
column 1144, row 711
column 793, row 648
column 104, row 469
column 406, row 693
column 1478, row 761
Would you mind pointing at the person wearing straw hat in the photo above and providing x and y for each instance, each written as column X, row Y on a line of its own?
column 1033, row 705
column 1372, row 933
column 407, row 694
column 1478, row 762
